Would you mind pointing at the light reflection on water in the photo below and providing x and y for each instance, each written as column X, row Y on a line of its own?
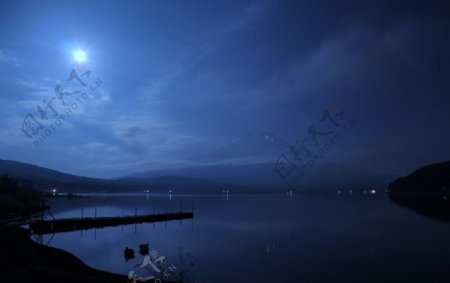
column 305, row 238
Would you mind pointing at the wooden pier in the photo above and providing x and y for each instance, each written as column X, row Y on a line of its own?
column 73, row 224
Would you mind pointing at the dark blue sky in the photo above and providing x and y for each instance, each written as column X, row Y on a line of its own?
column 181, row 78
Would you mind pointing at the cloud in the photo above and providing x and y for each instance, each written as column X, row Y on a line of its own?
column 36, row 94
column 151, row 92
column 122, row 145
column 359, row 56
column 147, row 137
column 33, row 85
column 243, row 19
column 12, row 134
column 43, row 94
column 174, row 72
column 8, row 59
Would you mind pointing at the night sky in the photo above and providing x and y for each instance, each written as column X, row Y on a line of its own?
column 174, row 79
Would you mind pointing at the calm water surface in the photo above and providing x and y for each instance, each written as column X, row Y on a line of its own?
column 305, row 238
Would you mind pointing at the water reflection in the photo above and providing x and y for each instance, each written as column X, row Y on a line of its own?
column 301, row 238
column 128, row 253
column 436, row 206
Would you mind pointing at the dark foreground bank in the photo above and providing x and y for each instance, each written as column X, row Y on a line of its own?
column 22, row 260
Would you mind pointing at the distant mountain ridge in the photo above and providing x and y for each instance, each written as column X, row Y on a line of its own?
column 44, row 178
column 263, row 177
column 250, row 160
column 29, row 171
column 254, row 178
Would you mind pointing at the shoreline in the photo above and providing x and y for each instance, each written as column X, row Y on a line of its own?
column 23, row 260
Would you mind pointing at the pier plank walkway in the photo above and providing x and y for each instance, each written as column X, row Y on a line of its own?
column 73, row 224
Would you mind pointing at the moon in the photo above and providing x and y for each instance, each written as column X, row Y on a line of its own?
column 80, row 56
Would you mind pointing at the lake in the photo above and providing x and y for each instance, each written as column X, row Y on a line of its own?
column 311, row 237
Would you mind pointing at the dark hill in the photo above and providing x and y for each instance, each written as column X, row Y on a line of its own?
column 431, row 178
column 44, row 178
